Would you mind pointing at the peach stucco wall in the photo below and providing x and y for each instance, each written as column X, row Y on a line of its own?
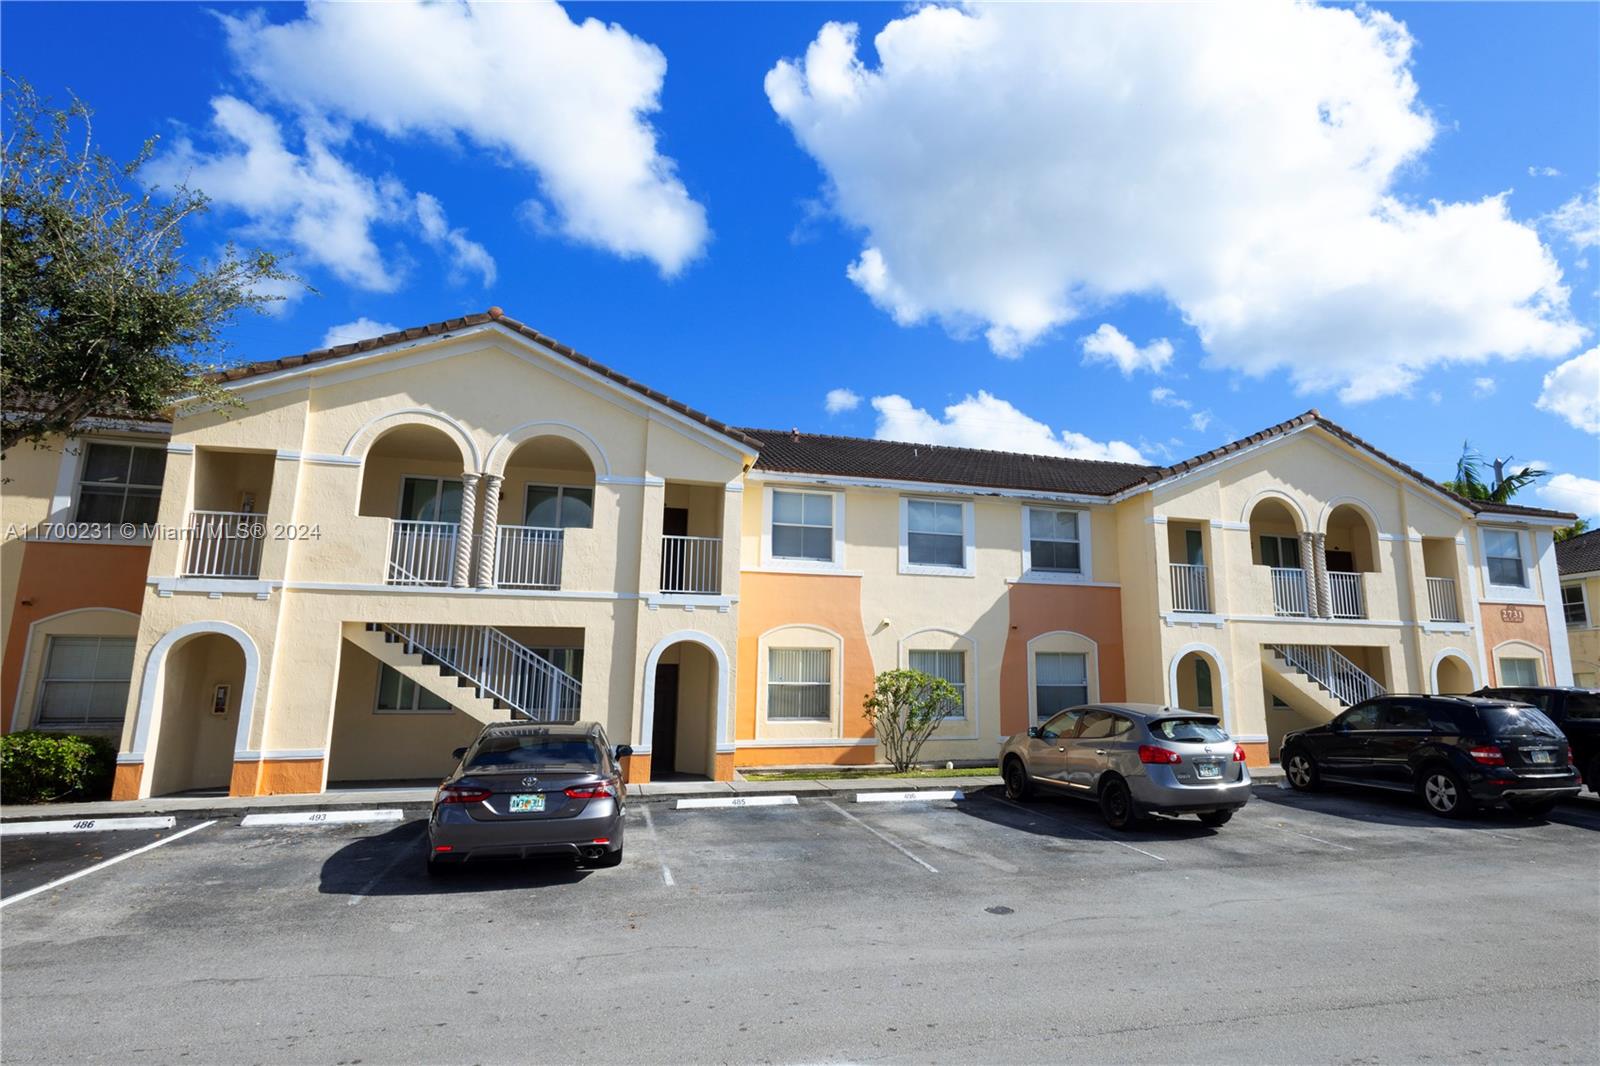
column 1522, row 621
column 1036, row 609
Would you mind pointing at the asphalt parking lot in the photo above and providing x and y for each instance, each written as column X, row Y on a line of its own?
column 1337, row 927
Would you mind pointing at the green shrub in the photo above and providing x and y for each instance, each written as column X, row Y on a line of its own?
column 40, row 767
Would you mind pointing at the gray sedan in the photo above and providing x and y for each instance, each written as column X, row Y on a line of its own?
column 1133, row 759
column 522, row 789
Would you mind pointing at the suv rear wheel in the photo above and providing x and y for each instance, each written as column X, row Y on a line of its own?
column 1116, row 804
column 1018, row 786
column 1444, row 792
column 1301, row 770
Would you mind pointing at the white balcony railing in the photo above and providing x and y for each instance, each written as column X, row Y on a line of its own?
column 1288, row 591
column 1348, row 683
column 224, row 544
column 529, row 557
column 421, row 553
column 1349, row 598
column 1189, row 589
column 691, row 564
column 1443, row 605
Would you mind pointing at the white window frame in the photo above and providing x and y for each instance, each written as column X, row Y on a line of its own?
column 1085, row 571
column 81, row 467
column 966, row 674
column 1538, row 669
column 561, row 499
column 1524, row 555
column 439, row 482
column 86, row 726
column 968, row 547
column 1089, row 686
column 1583, row 599
column 769, row 561
column 377, row 695
column 767, row 683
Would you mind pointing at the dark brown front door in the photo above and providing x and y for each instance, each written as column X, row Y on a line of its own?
column 664, row 731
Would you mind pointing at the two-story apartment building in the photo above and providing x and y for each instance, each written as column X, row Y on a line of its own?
column 393, row 541
column 1578, row 559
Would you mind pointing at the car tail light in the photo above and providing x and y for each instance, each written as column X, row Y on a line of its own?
column 601, row 790
column 1238, row 753
column 1570, row 760
column 445, row 847
column 1149, row 753
column 1488, row 755
column 601, row 840
column 459, row 794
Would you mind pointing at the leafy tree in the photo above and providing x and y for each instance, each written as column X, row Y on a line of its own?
column 1470, row 480
column 905, row 707
column 1577, row 529
column 100, row 310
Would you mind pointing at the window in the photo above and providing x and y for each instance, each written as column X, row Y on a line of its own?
column 430, row 499
column 1362, row 716
column 802, row 526
column 1061, row 680
column 1062, row 725
column 559, row 507
column 1574, row 606
column 1103, row 725
column 1202, row 685
column 935, row 534
column 1053, row 543
column 1503, row 549
column 1280, row 552
column 1583, row 706
column 1404, row 715
column 398, row 694
column 120, row 483
column 535, row 753
column 1519, row 671
column 950, row 665
column 85, row 683
column 1189, row 730
column 799, row 684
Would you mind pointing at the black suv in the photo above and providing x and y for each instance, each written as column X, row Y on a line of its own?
column 1576, row 711
column 1456, row 752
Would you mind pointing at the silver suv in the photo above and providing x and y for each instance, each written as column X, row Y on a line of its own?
column 1134, row 759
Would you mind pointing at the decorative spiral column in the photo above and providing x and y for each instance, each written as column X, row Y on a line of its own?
column 489, row 548
column 462, row 575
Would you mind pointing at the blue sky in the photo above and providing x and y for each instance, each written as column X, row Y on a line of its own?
column 1090, row 230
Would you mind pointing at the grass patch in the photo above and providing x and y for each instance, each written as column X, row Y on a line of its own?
column 852, row 772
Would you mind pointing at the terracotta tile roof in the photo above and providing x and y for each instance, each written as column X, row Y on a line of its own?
column 452, row 325
column 1580, row 554
column 789, row 451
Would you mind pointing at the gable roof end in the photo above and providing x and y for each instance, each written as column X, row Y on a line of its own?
column 1580, row 554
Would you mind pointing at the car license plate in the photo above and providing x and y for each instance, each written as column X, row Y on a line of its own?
column 1542, row 758
column 526, row 804
column 1208, row 769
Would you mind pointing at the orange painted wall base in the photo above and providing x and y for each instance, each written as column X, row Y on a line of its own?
column 1257, row 754
column 125, row 785
column 276, row 777
column 636, row 769
column 843, row 755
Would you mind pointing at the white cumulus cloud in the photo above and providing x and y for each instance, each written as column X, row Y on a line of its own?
column 1108, row 344
column 465, row 255
column 568, row 101
column 1484, row 387
column 1578, row 220
column 1569, row 492
column 361, row 329
column 841, row 400
column 1012, row 167
column 1572, row 390
column 986, row 421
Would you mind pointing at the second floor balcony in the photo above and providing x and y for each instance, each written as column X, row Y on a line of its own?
column 223, row 544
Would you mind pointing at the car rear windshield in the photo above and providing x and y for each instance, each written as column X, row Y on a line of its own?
column 1189, row 730
column 1513, row 720
column 498, row 752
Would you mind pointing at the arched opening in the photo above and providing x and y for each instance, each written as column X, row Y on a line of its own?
column 1453, row 677
column 1275, row 529
column 202, row 687
column 1350, row 550
column 546, row 500
column 1198, row 684
column 412, row 475
column 686, row 690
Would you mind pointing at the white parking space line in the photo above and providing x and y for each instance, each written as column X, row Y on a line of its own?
column 1308, row 836
column 366, row 889
column 736, row 801
column 896, row 845
column 255, row 821
column 58, row 882
column 84, row 825
column 909, row 797
column 650, row 824
column 1075, row 825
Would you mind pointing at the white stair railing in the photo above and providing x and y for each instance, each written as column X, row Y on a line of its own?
column 529, row 557
column 224, row 544
column 1189, row 589
column 1347, row 593
column 497, row 667
column 1288, row 591
column 421, row 553
column 691, row 564
column 1348, row 683
column 1443, row 605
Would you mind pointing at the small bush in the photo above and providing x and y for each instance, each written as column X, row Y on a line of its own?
column 40, row 767
column 905, row 707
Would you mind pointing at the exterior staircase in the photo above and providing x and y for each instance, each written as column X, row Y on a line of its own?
column 477, row 669
column 1324, row 670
